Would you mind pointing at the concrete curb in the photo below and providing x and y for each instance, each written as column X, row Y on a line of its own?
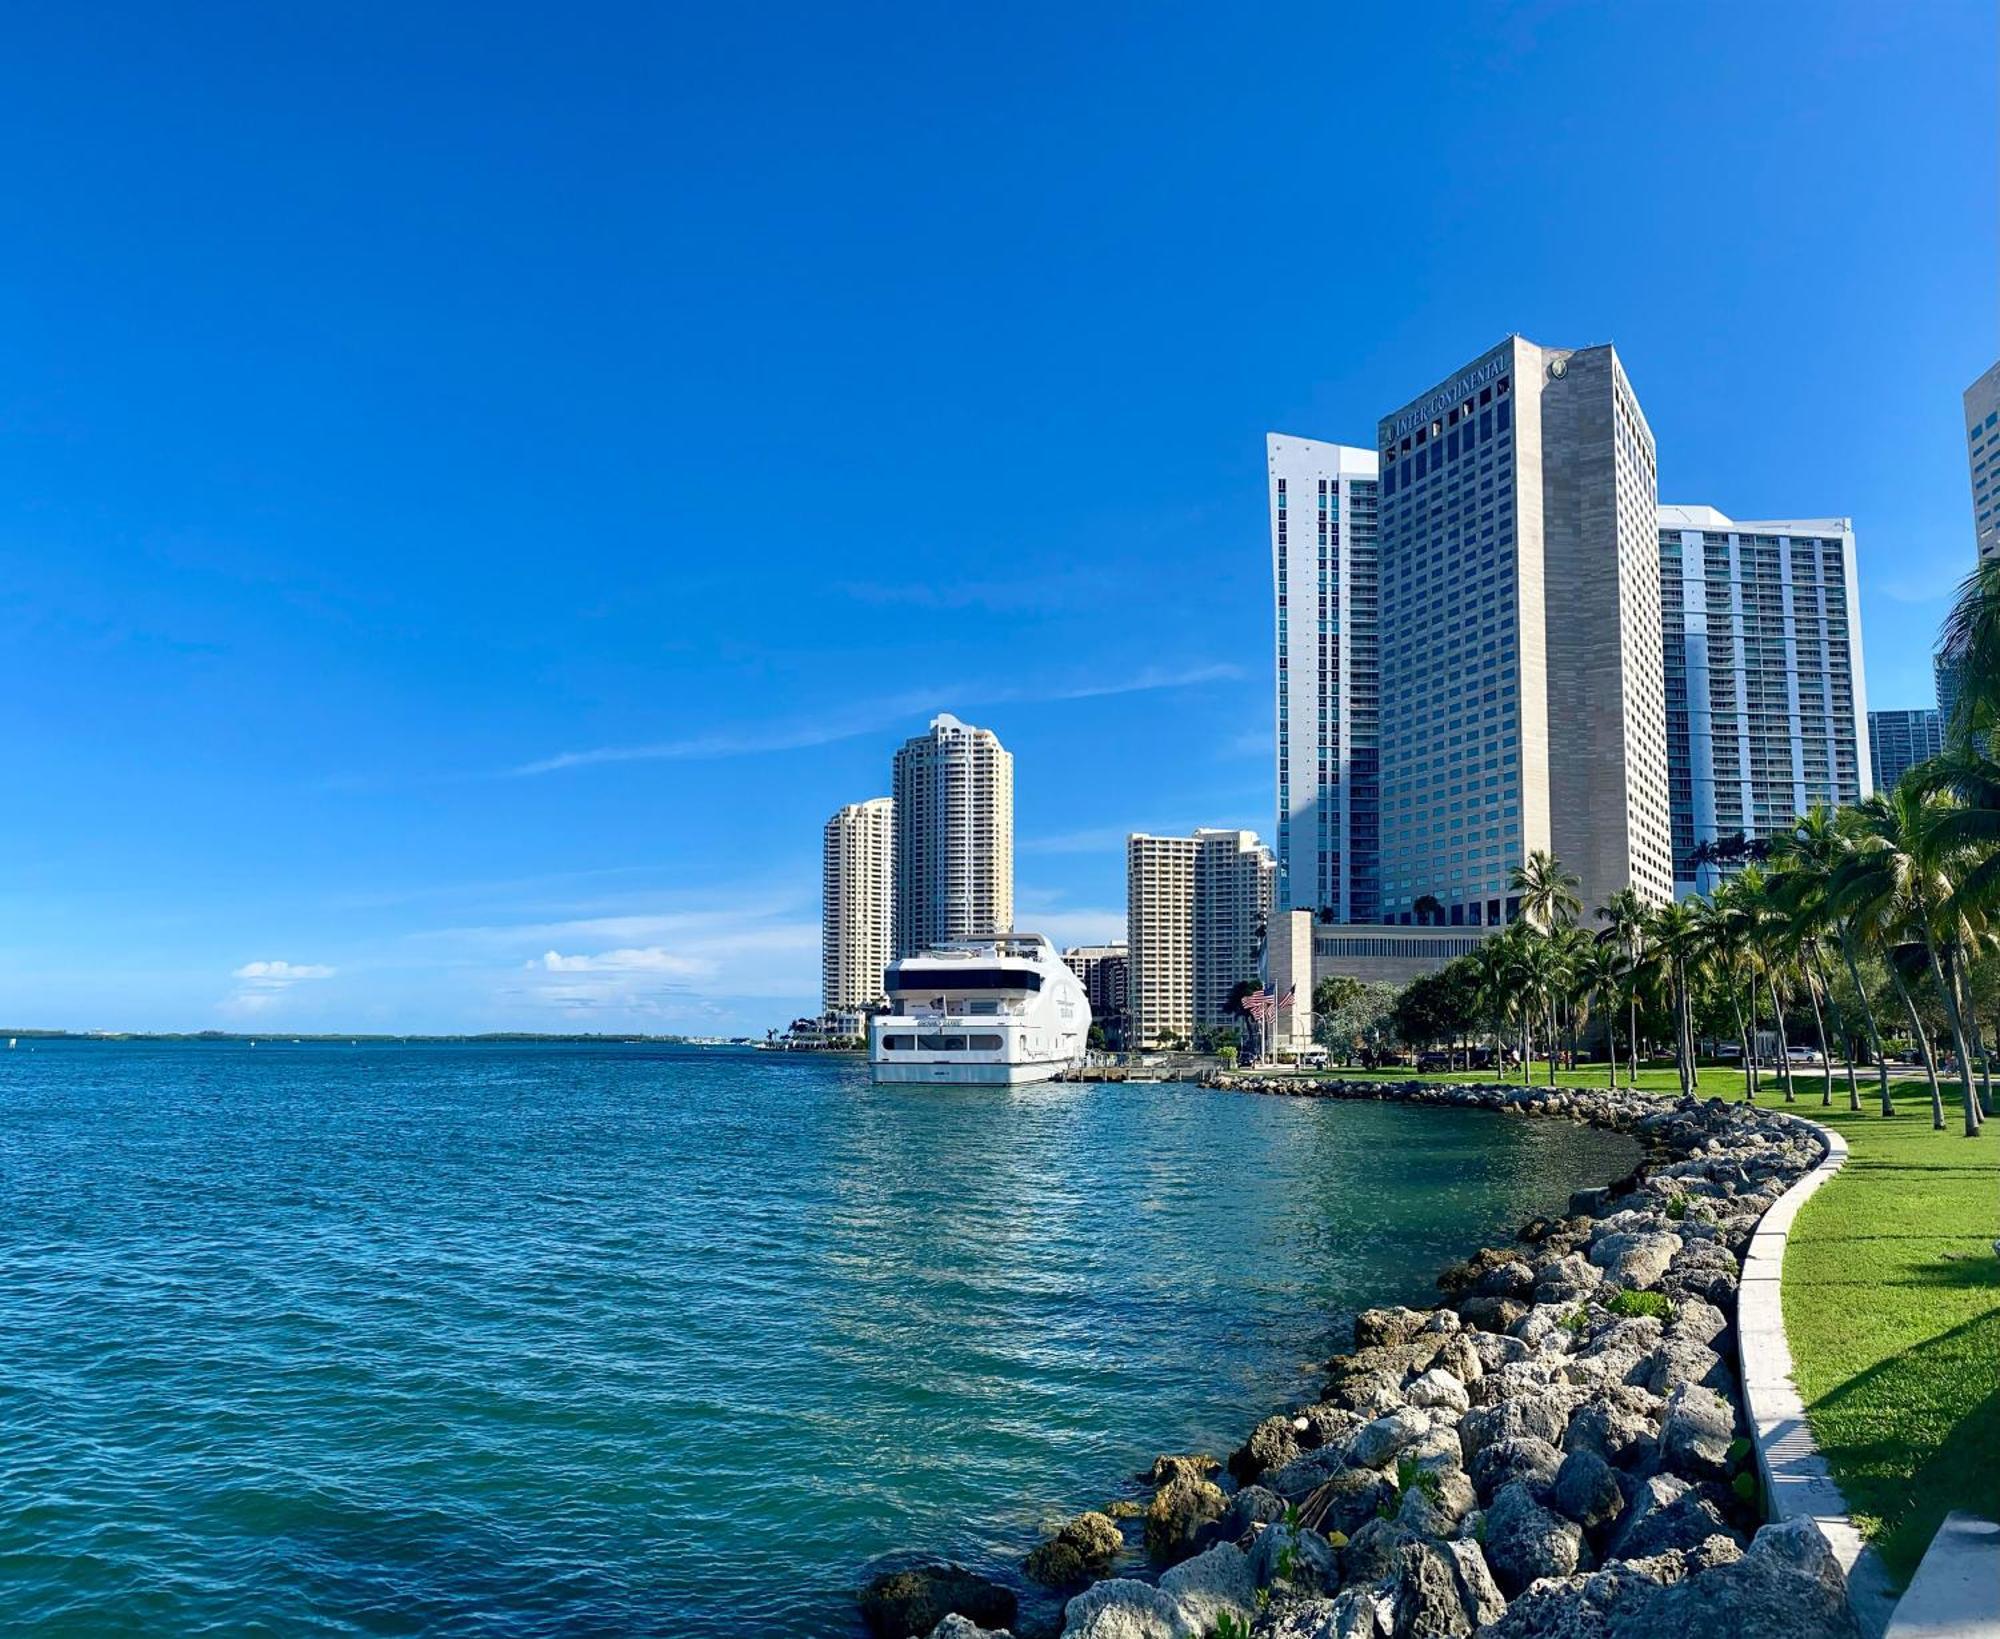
column 1797, row 1481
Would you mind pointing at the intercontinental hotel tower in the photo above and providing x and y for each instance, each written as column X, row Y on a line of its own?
column 1484, row 675
column 1523, row 706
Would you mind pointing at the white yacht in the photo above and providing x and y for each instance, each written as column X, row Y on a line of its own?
column 995, row 1011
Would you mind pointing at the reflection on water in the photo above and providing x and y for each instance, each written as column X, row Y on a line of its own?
column 525, row 1340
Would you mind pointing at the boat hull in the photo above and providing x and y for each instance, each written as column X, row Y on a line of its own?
column 906, row 1074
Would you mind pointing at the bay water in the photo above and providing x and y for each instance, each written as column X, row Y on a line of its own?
column 508, row 1339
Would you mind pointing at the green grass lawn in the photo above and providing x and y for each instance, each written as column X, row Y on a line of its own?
column 1892, row 1309
column 1892, row 1302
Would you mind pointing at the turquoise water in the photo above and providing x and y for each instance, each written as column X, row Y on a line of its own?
column 576, row 1341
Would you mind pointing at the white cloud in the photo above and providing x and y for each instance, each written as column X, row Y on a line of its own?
column 259, row 985
column 875, row 716
column 651, row 959
column 276, row 975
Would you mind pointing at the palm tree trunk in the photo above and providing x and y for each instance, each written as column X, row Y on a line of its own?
column 1749, row 1059
column 1752, row 1067
column 1839, row 1029
column 1961, row 971
column 1923, row 1044
column 1632, row 1038
column 1948, row 991
column 1684, row 1029
column 1784, row 1046
column 1868, row 1018
column 1825, row 1057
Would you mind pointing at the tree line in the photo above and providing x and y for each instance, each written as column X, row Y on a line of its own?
column 1863, row 929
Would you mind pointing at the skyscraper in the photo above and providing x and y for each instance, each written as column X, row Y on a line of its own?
column 1521, row 699
column 1944, row 675
column 857, row 901
column 1899, row 740
column 1767, row 705
column 1103, row 970
column 1982, row 458
column 1159, row 938
column 1323, row 506
column 1196, row 911
column 1234, row 881
column 954, row 869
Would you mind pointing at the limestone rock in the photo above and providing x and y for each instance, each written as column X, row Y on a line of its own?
column 1617, row 1427
column 1788, row 1586
column 1586, row 1489
column 1178, row 1511
column 1635, row 1259
column 909, row 1604
column 1346, row 1501
column 1375, row 1327
column 1525, row 1542
column 1359, row 1613
column 1166, row 1469
column 1438, row 1387
column 1253, row 1505
column 1123, row 1609
column 1213, row 1585
column 1569, row 1279
column 1441, row 1590
column 958, row 1627
column 1667, row 1513
column 1084, row 1548
column 1381, row 1441
column 1540, row 1417
column 1695, row 1439
column 1294, row 1561
column 1680, row 1360
column 1370, row 1554
column 1525, row 1461
column 1272, row 1443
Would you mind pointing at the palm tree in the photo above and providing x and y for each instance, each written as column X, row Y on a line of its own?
column 1720, row 929
column 1901, row 874
column 1628, row 919
column 1811, row 854
column 1970, row 644
column 1547, row 892
column 1493, row 988
column 1602, row 971
column 1677, row 937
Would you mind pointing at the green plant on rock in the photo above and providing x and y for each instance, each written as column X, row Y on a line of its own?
column 1677, row 1207
column 1409, row 1473
column 1576, row 1322
column 1633, row 1303
column 1228, row 1626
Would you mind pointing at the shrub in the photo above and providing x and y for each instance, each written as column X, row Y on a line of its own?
column 1642, row 1303
column 1677, row 1207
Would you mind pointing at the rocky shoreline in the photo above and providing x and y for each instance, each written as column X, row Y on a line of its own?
column 1557, row 1450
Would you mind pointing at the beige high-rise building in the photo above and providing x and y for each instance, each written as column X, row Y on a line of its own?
column 1982, row 460
column 1235, row 879
column 1159, row 938
column 1523, row 703
column 1196, row 912
column 954, row 867
column 857, row 904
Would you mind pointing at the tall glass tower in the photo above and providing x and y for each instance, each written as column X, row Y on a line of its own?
column 1323, row 512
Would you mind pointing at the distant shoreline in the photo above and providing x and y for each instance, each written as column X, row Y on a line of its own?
column 336, row 1037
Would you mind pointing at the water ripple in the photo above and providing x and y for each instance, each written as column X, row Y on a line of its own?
column 530, row 1341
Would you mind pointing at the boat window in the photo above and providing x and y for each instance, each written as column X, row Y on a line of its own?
column 898, row 1044
column 942, row 1044
column 986, row 1044
column 982, row 1007
column 930, row 981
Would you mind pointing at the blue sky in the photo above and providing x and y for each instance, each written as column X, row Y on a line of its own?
column 478, row 486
